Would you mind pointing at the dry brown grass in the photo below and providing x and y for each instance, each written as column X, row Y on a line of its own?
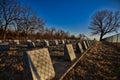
column 11, row 66
column 101, row 62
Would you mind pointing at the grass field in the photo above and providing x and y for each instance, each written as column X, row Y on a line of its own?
column 101, row 62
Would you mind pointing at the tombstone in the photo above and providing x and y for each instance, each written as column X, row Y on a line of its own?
column 87, row 43
column 56, row 42
column 46, row 43
column 69, row 53
column 16, row 42
column 63, row 42
column 67, row 41
column 0, row 41
column 4, row 47
column 40, row 64
column 84, row 45
column 30, row 44
column 79, row 48
column 37, row 41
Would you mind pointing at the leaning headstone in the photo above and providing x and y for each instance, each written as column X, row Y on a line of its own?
column 79, row 48
column 84, row 45
column 87, row 43
column 63, row 42
column 16, row 42
column 0, row 41
column 40, row 64
column 4, row 47
column 69, row 53
column 30, row 44
column 56, row 42
column 46, row 43
column 67, row 41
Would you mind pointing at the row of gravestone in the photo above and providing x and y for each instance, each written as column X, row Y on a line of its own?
column 40, row 64
column 30, row 44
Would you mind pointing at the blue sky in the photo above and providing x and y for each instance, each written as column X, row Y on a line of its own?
column 70, row 15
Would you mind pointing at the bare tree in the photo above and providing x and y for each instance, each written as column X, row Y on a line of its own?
column 8, row 9
column 104, row 22
column 31, row 22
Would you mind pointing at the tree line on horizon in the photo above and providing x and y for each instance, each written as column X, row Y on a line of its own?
column 20, row 22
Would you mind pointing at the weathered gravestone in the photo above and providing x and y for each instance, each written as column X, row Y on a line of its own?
column 56, row 42
column 79, row 48
column 45, row 43
column 16, row 42
column 63, row 42
column 4, row 47
column 69, row 53
column 84, row 45
column 40, row 64
column 87, row 43
column 0, row 41
column 30, row 44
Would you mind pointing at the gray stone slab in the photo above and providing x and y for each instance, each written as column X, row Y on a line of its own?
column 56, row 42
column 46, row 43
column 0, row 41
column 16, row 42
column 30, row 44
column 69, row 53
column 87, row 43
column 40, row 64
column 84, row 45
column 79, row 48
column 63, row 42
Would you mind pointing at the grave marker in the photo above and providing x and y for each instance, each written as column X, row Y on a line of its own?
column 69, row 53
column 56, row 42
column 16, row 42
column 40, row 64
column 30, row 44
column 79, row 48
column 84, row 45
column 46, row 43
column 63, row 42
column 88, row 45
column 0, row 41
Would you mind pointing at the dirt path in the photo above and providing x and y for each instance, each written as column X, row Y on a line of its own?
column 101, row 62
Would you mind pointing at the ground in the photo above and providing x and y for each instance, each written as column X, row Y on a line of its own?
column 101, row 62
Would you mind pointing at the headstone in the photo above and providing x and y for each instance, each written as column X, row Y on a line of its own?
column 40, row 64
column 88, row 45
column 16, row 42
column 56, row 42
column 37, row 41
column 84, row 45
column 4, row 47
column 79, row 48
column 30, row 44
column 69, row 53
column 46, row 43
column 0, row 41
column 63, row 42
column 67, row 41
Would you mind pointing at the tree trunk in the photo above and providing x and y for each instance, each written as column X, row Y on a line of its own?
column 101, row 36
column 4, row 32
